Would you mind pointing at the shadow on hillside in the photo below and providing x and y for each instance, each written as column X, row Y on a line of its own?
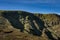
column 40, row 23
column 13, row 18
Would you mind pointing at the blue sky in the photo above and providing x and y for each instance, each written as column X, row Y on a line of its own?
column 39, row 6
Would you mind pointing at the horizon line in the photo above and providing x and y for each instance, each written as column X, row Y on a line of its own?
column 33, row 12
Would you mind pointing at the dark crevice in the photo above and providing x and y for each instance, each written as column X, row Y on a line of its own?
column 8, row 32
column 48, row 33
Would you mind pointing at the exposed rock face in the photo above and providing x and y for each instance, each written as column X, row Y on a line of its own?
column 46, row 26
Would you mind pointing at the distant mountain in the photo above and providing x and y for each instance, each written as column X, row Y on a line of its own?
column 21, row 25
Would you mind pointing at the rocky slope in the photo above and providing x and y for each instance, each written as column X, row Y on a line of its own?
column 20, row 25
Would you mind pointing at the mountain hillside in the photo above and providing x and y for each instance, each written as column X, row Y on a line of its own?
column 21, row 25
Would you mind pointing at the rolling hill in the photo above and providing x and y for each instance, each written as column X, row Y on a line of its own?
column 21, row 25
